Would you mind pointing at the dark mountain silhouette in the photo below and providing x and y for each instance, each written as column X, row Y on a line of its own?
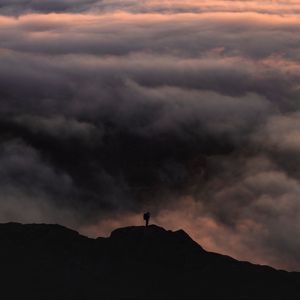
column 53, row 262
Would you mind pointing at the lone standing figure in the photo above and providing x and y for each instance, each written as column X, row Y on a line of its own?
column 147, row 218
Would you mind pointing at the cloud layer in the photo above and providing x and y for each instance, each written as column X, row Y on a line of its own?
column 189, row 109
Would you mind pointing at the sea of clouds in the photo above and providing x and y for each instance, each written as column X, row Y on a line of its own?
column 189, row 109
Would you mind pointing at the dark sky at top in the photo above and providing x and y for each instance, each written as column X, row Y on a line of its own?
column 188, row 109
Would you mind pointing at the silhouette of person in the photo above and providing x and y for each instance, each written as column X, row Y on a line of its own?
column 147, row 218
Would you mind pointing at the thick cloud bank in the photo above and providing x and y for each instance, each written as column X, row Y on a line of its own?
column 189, row 109
column 19, row 7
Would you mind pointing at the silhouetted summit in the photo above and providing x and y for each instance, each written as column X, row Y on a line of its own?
column 53, row 262
column 152, row 236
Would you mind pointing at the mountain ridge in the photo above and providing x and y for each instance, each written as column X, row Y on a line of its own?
column 50, row 261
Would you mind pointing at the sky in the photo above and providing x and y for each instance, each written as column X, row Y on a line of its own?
column 187, row 109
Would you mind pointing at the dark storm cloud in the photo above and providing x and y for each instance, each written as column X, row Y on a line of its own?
column 19, row 7
column 103, row 130
column 27, row 182
column 108, row 114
